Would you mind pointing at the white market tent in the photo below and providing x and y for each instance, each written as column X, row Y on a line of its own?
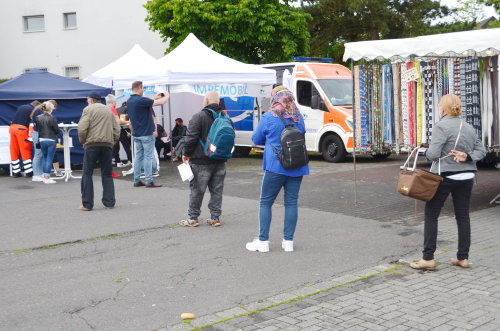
column 192, row 62
column 480, row 43
column 134, row 65
column 456, row 44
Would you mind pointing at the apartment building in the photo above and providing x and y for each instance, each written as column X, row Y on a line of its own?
column 72, row 38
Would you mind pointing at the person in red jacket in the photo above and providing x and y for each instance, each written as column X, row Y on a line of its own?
column 20, row 146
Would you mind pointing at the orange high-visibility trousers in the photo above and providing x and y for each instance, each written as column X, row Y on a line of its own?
column 20, row 147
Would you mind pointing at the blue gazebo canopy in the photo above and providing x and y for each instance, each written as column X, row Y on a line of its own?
column 38, row 84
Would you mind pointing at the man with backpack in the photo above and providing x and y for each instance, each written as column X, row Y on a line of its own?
column 207, row 146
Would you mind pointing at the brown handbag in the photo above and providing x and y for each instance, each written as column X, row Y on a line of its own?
column 420, row 184
column 417, row 183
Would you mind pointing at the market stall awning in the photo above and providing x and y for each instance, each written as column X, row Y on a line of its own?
column 192, row 62
column 456, row 44
column 134, row 65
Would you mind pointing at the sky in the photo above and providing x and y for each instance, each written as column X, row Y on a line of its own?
column 488, row 11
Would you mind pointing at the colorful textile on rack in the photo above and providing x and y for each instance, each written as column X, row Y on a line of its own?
column 495, row 105
column 404, row 108
column 428, row 70
column 388, row 107
column 419, row 95
column 462, row 84
column 439, row 78
column 449, row 74
column 398, row 119
column 360, row 114
column 411, row 109
column 356, row 107
column 456, row 77
column 472, row 94
column 376, row 107
column 363, row 118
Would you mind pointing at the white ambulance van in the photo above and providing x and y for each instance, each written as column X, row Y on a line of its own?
column 324, row 96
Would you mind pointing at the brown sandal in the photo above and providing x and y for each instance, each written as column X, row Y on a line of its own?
column 424, row 265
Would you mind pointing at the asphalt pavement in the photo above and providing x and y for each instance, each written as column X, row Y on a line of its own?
column 134, row 268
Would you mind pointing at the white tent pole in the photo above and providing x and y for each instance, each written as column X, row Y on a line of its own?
column 169, row 122
column 354, row 135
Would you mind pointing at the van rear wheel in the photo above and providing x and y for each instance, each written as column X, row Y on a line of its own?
column 333, row 149
column 241, row 151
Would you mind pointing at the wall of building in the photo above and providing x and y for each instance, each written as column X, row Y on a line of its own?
column 106, row 29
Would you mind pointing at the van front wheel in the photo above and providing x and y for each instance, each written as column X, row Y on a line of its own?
column 333, row 149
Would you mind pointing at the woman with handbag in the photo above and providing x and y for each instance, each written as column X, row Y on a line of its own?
column 276, row 177
column 455, row 148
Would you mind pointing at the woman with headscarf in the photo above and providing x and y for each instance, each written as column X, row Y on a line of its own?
column 276, row 177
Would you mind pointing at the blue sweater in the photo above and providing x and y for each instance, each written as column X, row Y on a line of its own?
column 269, row 132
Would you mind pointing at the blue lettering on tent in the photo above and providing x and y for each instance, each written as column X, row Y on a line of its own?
column 223, row 89
column 200, row 89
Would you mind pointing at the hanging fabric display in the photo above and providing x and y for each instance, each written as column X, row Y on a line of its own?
column 359, row 90
column 376, row 120
column 398, row 124
column 398, row 103
column 404, row 107
column 411, row 109
column 388, row 107
column 472, row 108
column 364, row 133
column 419, row 109
column 428, row 70
column 495, row 136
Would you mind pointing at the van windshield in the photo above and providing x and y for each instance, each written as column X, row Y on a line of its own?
column 338, row 91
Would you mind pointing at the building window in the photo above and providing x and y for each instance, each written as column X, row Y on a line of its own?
column 72, row 72
column 70, row 20
column 42, row 69
column 34, row 23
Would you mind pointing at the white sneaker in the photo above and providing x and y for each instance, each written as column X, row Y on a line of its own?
column 36, row 178
column 287, row 245
column 156, row 174
column 258, row 246
column 120, row 165
column 48, row 181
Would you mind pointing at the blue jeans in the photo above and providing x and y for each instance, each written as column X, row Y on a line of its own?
column 271, row 186
column 153, row 163
column 144, row 147
column 37, row 157
column 48, row 151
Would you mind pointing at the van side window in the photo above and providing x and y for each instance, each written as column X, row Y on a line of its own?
column 305, row 90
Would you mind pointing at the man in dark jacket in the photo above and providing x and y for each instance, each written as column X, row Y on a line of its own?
column 98, row 131
column 207, row 172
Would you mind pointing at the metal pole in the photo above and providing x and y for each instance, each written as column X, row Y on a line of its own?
column 162, row 117
column 170, row 122
column 354, row 135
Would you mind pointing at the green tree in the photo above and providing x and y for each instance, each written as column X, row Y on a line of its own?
column 468, row 11
column 336, row 22
column 252, row 31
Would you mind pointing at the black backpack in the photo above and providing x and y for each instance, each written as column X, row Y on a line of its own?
column 293, row 147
